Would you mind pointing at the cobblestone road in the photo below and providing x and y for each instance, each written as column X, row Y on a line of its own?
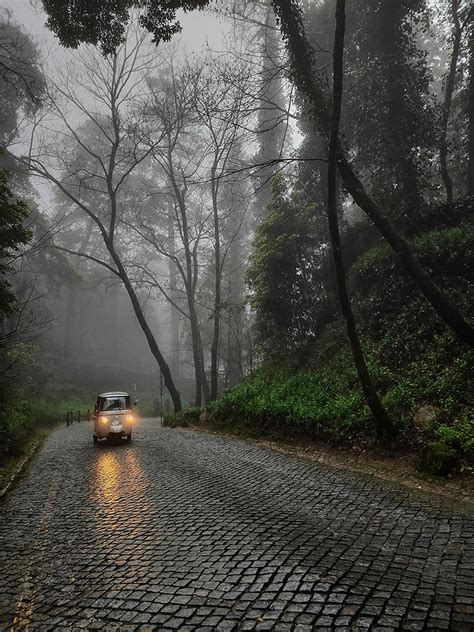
column 187, row 531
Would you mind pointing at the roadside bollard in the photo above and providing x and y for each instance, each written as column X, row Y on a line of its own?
column 67, row 419
column 78, row 416
column 88, row 415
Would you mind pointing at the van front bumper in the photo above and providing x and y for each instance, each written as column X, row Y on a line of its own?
column 111, row 430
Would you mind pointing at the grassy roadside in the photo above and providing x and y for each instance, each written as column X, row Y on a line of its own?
column 25, row 427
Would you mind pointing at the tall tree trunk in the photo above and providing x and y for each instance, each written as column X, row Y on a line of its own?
column 234, row 200
column 217, row 290
column 470, row 110
column 235, row 300
column 271, row 126
column 198, row 354
column 300, row 51
column 113, row 325
column 448, row 99
column 137, row 308
column 398, row 148
column 70, row 325
column 174, row 317
column 190, row 286
column 411, row 190
column 383, row 422
column 198, row 357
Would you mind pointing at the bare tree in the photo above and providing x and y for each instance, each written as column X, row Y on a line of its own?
column 171, row 107
column 222, row 109
column 202, row 107
column 96, row 160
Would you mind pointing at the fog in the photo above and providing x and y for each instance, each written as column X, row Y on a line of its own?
column 144, row 203
column 153, row 175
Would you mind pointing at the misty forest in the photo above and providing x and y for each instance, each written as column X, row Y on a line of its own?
column 267, row 233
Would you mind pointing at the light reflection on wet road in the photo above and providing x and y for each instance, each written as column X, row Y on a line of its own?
column 181, row 530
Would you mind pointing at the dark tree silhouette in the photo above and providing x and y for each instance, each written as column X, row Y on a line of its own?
column 383, row 422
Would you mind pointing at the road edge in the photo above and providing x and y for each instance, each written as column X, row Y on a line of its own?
column 22, row 465
column 365, row 465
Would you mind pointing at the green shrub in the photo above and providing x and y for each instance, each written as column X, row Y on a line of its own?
column 438, row 459
column 328, row 402
column 460, row 437
column 21, row 418
column 309, row 402
column 184, row 418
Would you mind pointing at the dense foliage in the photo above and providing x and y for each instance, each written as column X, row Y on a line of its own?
column 411, row 357
column 21, row 84
column 105, row 22
column 13, row 235
column 290, row 299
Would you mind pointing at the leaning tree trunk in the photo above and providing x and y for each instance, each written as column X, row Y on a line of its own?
column 137, row 308
column 383, row 422
column 292, row 28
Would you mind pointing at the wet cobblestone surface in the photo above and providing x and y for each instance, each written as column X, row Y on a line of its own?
column 187, row 531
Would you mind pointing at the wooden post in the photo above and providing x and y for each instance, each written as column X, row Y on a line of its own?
column 67, row 419
column 88, row 415
column 78, row 416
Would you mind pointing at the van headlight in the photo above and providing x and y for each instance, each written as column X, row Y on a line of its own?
column 130, row 418
column 103, row 419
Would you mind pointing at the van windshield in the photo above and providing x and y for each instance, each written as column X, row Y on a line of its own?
column 115, row 403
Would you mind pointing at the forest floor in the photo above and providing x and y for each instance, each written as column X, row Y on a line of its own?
column 401, row 467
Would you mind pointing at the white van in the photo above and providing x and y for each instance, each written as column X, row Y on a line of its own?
column 113, row 416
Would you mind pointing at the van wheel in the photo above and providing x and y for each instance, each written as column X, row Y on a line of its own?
column 129, row 437
column 95, row 438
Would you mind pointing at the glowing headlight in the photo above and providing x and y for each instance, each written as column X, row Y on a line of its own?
column 130, row 418
column 103, row 419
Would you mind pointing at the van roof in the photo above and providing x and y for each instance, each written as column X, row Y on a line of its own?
column 115, row 394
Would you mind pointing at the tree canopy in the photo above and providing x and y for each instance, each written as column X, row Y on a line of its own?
column 103, row 22
column 21, row 81
column 13, row 235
